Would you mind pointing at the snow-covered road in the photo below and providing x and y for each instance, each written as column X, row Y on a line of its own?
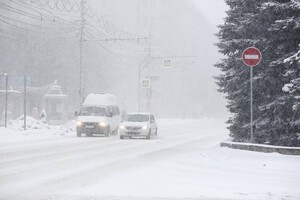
column 184, row 162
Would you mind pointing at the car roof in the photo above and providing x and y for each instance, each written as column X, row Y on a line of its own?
column 139, row 113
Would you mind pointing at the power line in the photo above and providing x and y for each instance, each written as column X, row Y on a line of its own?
column 57, row 3
column 39, row 16
column 54, row 17
column 17, row 11
column 9, row 38
column 22, row 22
column 37, row 32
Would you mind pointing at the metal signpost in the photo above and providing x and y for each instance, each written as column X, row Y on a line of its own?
column 146, row 83
column 15, row 80
column 251, row 57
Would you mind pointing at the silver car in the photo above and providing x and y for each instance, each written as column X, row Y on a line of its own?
column 138, row 125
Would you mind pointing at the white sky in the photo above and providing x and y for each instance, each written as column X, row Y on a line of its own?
column 213, row 10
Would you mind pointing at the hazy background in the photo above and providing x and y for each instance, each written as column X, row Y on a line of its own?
column 181, row 31
column 213, row 10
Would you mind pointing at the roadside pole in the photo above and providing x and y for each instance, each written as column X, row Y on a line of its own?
column 142, row 65
column 251, row 57
column 25, row 77
column 139, row 85
column 251, row 102
column 6, row 98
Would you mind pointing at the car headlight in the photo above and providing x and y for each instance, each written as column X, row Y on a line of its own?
column 145, row 127
column 79, row 123
column 103, row 124
column 122, row 127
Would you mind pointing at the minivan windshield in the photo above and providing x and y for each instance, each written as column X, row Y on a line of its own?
column 136, row 118
column 92, row 111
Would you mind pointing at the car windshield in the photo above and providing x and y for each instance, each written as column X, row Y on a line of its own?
column 137, row 118
column 92, row 111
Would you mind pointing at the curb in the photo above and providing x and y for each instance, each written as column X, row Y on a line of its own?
column 262, row 148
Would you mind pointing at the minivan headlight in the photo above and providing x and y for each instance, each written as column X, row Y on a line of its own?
column 145, row 127
column 78, row 123
column 103, row 124
column 122, row 127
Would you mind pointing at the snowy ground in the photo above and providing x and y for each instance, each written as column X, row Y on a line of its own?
column 184, row 162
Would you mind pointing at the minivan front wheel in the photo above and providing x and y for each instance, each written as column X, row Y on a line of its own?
column 108, row 133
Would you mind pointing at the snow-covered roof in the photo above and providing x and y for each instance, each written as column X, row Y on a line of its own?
column 10, row 91
column 55, row 91
column 100, row 99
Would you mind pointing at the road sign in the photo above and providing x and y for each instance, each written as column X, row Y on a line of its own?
column 251, row 56
column 146, row 83
column 167, row 63
column 15, row 80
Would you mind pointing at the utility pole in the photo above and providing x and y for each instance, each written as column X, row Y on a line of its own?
column 149, row 56
column 81, row 69
column 146, row 61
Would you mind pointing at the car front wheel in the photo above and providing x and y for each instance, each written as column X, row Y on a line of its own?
column 148, row 137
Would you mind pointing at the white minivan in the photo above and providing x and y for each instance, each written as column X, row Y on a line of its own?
column 99, row 115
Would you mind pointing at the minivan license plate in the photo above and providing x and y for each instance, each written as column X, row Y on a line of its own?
column 89, row 126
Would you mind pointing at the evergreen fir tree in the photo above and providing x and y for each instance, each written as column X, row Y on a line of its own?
column 273, row 27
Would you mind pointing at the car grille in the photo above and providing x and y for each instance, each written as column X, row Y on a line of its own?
column 133, row 133
column 133, row 128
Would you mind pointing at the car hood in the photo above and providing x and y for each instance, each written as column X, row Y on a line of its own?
column 91, row 119
column 134, row 124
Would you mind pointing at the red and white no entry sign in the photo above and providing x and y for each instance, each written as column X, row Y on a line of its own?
column 251, row 56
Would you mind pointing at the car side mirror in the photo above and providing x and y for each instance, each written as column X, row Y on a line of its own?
column 76, row 113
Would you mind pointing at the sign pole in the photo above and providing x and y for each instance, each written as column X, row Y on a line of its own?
column 6, row 99
column 139, row 88
column 251, row 102
column 251, row 57
column 25, row 102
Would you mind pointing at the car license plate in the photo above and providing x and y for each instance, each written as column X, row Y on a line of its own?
column 89, row 126
column 133, row 133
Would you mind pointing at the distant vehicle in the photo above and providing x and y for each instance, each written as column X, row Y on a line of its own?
column 99, row 115
column 138, row 125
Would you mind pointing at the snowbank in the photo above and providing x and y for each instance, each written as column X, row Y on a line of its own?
column 34, row 126
column 262, row 148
